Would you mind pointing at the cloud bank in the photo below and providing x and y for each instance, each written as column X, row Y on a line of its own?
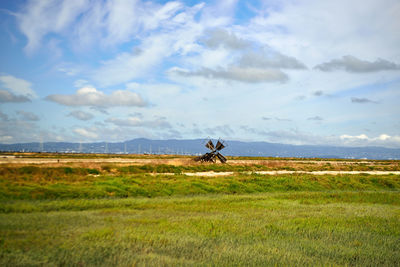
column 6, row 96
column 246, row 75
column 89, row 96
column 264, row 59
column 353, row 64
column 20, row 89
column 159, row 123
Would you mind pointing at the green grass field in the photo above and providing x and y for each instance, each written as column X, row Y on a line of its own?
column 126, row 216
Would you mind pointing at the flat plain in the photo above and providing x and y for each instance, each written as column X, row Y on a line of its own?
column 165, row 210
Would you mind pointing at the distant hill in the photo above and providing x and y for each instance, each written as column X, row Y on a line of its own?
column 196, row 146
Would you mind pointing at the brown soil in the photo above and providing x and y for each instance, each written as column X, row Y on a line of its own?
column 365, row 166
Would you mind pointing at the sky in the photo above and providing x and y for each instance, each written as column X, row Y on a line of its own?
column 294, row 72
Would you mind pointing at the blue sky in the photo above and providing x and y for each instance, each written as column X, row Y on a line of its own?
column 297, row 72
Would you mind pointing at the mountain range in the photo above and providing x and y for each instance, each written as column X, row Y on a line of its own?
column 196, row 147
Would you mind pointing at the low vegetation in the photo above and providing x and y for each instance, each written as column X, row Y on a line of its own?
column 155, row 215
column 56, row 184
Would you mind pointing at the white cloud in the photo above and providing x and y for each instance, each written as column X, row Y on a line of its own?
column 298, row 137
column 90, row 96
column 18, row 86
column 364, row 140
column 81, row 115
column 86, row 133
column 359, row 137
column 353, row 64
column 384, row 137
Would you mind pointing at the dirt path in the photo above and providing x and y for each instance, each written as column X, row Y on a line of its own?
column 213, row 174
column 276, row 164
column 329, row 172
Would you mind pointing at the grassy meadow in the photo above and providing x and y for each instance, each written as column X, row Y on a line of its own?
column 155, row 215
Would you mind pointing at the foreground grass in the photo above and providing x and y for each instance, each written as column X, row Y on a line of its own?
column 298, row 228
column 123, row 215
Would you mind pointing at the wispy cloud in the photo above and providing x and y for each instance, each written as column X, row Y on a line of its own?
column 176, row 36
column 159, row 123
column 38, row 18
column 362, row 100
column 86, row 21
column 315, row 118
